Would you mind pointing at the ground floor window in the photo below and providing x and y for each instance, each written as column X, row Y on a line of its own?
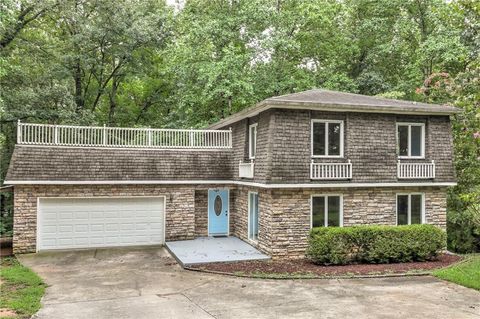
column 410, row 209
column 253, row 216
column 327, row 210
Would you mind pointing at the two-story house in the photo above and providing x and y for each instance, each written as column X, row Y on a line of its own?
column 267, row 175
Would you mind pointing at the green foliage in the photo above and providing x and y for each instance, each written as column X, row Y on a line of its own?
column 6, row 223
column 466, row 273
column 21, row 290
column 464, row 230
column 374, row 244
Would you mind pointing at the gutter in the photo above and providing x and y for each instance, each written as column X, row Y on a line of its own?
column 242, row 183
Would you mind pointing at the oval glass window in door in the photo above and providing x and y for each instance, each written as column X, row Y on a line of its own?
column 217, row 205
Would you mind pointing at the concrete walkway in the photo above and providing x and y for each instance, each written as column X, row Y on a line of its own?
column 208, row 249
column 148, row 283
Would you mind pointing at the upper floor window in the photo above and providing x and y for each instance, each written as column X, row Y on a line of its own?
column 411, row 140
column 410, row 209
column 252, row 141
column 326, row 210
column 327, row 138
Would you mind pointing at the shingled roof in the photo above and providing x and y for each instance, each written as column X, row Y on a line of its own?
column 40, row 163
column 325, row 100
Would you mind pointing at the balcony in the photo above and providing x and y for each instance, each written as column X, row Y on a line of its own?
column 416, row 170
column 112, row 137
column 245, row 170
column 330, row 171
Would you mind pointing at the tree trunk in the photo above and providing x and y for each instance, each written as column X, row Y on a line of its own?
column 77, row 75
column 113, row 99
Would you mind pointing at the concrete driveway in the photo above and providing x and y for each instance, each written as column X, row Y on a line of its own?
column 147, row 283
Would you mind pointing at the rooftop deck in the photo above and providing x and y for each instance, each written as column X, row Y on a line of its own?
column 112, row 137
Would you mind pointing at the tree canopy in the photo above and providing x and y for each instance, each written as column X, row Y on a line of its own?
column 150, row 63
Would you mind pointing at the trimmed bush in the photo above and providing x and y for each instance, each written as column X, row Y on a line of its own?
column 374, row 244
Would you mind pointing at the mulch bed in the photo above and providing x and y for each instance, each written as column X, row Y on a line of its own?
column 305, row 268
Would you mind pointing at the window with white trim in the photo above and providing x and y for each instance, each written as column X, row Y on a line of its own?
column 327, row 210
column 252, row 141
column 410, row 209
column 411, row 140
column 327, row 138
column 253, row 216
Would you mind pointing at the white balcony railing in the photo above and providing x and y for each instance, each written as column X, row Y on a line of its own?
column 102, row 136
column 416, row 170
column 246, row 169
column 330, row 171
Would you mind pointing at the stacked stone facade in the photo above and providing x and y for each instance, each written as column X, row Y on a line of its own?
column 285, row 214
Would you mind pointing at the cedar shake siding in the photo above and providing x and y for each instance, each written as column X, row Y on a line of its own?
column 283, row 153
column 240, row 139
column 370, row 143
column 43, row 163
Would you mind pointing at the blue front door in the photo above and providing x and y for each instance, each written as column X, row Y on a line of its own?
column 218, row 212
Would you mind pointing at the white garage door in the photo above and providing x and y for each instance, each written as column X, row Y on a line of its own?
column 100, row 222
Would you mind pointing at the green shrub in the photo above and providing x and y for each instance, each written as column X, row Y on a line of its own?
column 6, row 214
column 374, row 244
column 463, row 230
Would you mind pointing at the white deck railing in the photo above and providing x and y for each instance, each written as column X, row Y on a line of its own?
column 246, row 169
column 415, row 170
column 102, row 136
column 330, row 171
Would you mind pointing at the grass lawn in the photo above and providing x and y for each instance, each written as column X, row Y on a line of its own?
column 21, row 289
column 466, row 273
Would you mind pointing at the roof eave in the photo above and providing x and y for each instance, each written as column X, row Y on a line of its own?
column 359, row 108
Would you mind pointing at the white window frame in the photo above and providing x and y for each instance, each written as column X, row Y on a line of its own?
column 248, row 217
column 422, row 144
column 325, row 216
column 326, row 138
column 250, row 127
column 409, row 211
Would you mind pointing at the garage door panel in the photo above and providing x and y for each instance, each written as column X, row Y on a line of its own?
column 65, row 229
column 82, row 241
column 81, row 228
column 96, row 215
column 82, row 215
column 100, row 222
column 50, row 229
column 156, row 225
column 96, row 228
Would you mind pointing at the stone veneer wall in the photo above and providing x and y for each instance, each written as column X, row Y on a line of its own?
column 290, row 213
column 240, row 217
column 180, row 212
column 284, row 214
column 201, row 212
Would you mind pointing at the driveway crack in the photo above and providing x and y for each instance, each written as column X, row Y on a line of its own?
column 196, row 304
column 137, row 288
